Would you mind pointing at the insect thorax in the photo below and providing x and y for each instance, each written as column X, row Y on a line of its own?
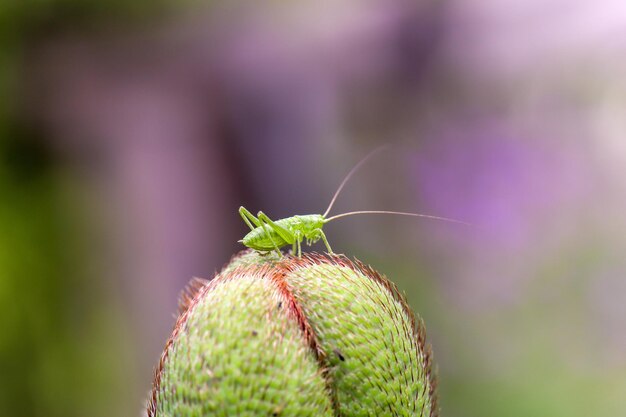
column 308, row 225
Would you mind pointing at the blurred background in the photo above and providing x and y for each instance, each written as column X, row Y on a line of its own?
column 130, row 133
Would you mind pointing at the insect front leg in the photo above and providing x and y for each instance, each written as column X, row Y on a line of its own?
column 325, row 241
column 247, row 217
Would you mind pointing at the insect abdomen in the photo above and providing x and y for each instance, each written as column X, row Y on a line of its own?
column 264, row 240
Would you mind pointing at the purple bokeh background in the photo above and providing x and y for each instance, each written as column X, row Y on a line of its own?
column 507, row 115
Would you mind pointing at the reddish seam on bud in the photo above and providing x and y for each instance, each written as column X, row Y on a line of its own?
column 198, row 288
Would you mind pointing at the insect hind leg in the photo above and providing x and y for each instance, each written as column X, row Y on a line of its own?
column 249, row 218
column 285, row 234
column 266, row 228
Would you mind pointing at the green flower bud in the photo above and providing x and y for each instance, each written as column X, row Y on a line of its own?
column 319, row 335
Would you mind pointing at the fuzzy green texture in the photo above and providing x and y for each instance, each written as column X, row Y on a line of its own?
column 311, row 336
column 375, row 362
column 240, row 355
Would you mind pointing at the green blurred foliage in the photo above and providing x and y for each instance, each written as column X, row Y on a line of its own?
column 61, row 349
column 61, row 352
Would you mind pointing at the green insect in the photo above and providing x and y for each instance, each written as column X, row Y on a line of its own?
column 267, row 235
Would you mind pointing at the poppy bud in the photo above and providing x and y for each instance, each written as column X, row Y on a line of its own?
column 317, row 335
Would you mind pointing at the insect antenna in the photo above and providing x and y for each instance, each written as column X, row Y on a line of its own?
column 352, row 171
column 400, row 213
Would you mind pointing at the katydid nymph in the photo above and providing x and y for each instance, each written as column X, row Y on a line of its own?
column 268, row 235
